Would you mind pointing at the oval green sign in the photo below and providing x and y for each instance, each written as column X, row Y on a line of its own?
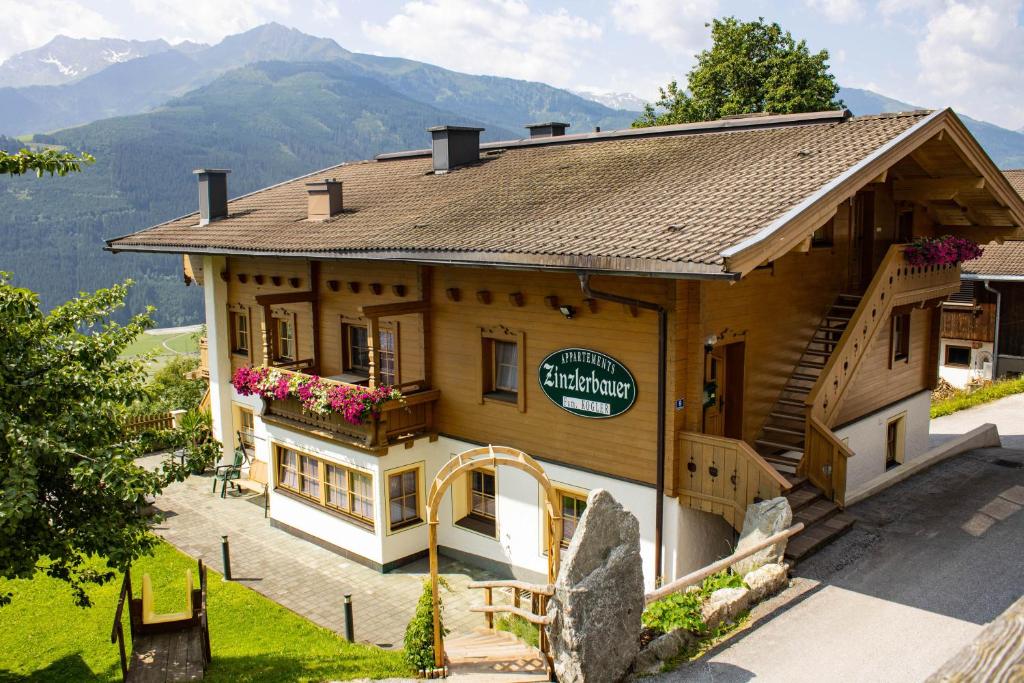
column 587, row 383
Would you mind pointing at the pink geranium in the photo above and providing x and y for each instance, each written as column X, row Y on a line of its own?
column 941, row 251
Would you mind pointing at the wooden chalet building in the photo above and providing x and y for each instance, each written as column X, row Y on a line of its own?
column 983, row 324
column 683, row 315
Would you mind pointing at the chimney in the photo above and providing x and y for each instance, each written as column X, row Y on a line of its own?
column 324, row 199
column 213, row 194
column 549, row 129
column 454, row 146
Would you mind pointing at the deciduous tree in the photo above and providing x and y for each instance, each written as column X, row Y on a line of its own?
column 47, row 161
column 751, row 67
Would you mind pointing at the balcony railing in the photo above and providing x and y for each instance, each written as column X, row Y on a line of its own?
column 401, row 420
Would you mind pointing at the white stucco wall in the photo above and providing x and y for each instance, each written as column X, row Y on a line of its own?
column 214, row 298
column 867, row 438
column 960, row 377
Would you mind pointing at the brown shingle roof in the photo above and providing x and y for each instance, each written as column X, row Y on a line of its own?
column 673, row 199
column 1016, row 178
column 1000, row 260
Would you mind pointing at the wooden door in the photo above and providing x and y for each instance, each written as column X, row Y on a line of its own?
column 714, row 391
column 862, row 242
column 733, row 398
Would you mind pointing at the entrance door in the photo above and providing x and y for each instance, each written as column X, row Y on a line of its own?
column 723, row 391
column 862, row 238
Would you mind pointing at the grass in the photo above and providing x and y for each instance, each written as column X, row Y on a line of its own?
column 963, row 399
column 47, row 638
column 182, row 342
column 520, row 628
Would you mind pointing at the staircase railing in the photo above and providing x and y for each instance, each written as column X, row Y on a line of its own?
column 895, row 283
column 536, row 615
column 723, row 476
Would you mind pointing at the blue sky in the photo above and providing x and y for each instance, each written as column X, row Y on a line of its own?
column 968, row 54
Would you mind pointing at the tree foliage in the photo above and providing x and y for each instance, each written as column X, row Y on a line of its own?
column 47, row 161
column 751, row 67
column 69, row 486
column 171, row 389
column 419, row 634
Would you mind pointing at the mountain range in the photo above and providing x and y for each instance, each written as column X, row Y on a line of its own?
column 271, row 103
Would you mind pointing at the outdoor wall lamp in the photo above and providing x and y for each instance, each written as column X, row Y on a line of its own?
column 567, row 310
column 709, row 343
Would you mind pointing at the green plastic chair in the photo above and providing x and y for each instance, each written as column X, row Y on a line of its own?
column 228, row 473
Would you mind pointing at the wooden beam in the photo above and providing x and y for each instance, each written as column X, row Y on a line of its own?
column 934, row 189
column 391, row 310
column 314, row 288
column 285, row 298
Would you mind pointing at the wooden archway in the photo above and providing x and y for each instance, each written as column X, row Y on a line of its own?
column 493, row 456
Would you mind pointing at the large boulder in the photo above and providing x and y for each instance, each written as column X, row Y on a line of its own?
column 762, row 520
column 599, row 596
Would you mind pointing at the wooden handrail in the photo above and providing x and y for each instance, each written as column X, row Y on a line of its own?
column 696, row 577
column 723, row 476
column 540, row 620
column 538, row 588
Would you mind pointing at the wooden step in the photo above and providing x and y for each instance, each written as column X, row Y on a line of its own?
column 811, row 539
column 815, row 352
column 815, row 512
column 783, row 430
column 795, row 483
column 845, row 307
column 771, row 453
column 798, row 417
column 809, row 364
column 802, row 497
column 797, row 390
column 791, row 402
column 803, row 377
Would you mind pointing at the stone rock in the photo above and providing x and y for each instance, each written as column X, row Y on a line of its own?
column 662, row 649
column 599, row 596
column 765, row 581
column 724, row 605
column 762, row 520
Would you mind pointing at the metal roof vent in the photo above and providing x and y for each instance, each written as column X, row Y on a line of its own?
column 213, row 194
column 549, row 129
column 324, row 199
column 454, row 146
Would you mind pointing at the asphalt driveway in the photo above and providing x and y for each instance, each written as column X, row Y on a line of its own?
column 929, row 562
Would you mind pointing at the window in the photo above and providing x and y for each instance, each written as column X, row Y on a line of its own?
column 240, row 333
column 403, row 499
column 335, row 487
column 573, row 506
column 824, row 236
column 349, row 491
column 479, row 513
column 894, row 442
column 358, row 353
column 285, row 339
column 958, row 356
column 501, row 359
column 901, row 338
column 245, row 427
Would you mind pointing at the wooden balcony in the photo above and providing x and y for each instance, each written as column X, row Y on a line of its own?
column 399, row 421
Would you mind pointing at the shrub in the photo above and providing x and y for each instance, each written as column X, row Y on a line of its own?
column 419, row 634
column 528, row 632
column 170, row 389
column 682, row 610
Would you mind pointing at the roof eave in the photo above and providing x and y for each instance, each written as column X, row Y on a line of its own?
column 558, row 262
column 979, row 277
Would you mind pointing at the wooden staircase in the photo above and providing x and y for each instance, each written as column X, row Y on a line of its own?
column 782, row 439
column 490, row 655
column 823, row 520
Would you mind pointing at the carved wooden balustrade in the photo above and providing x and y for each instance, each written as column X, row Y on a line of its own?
column 895, row 283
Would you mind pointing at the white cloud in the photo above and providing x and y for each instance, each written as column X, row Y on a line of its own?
column 28, row 25
column 676, row 25
column 209, row 21
column 971, row 57
column 838, row 11
column 503, row 37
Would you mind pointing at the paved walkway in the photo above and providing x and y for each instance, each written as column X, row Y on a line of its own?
column 302, row 576
column 1007, row 414
column 929, row 562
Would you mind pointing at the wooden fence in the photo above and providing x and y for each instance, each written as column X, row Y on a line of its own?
column 138, row 424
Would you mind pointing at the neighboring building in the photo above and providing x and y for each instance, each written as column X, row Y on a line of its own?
column 983, row 323
column 639, row 310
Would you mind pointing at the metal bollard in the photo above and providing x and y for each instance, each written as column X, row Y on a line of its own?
column 350, row 634
column 225, row 553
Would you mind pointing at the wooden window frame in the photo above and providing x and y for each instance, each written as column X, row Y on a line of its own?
column 320, row 500
column 959, row 347
column 419, row 520
column 487, row 369
column 234, row 311
column 391, row 327
column 900, row 446
column 277, row 318
column 561, row 490
column 899, row 335
column 238, row 410
column 478, row 522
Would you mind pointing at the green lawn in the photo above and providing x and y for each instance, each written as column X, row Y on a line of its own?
column 963, row 399
column 185, row 342
column 46, row 638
